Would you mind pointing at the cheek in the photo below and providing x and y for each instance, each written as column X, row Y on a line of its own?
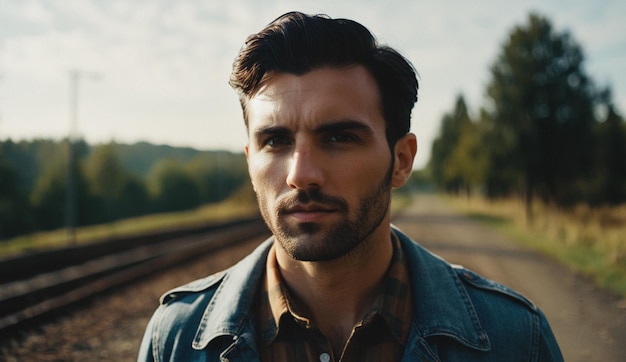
column 360, row 178
column 264, row 173
column 371, row 166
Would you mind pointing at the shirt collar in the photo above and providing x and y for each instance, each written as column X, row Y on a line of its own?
column 274, row 302
column 441, row 305
column 395, row 300
column 393, row 303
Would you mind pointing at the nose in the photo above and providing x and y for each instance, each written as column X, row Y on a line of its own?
column 305, row 169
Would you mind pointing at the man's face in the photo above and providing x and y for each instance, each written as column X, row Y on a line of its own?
column 319, row 160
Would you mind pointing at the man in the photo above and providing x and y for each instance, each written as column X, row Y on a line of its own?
column 327, row 112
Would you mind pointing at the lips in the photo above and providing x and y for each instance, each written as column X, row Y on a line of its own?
column 309, row 212
column 309, row 208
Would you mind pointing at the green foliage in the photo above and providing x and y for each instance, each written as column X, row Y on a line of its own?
column 34, row 178
column 105, row 172
column 542, row 111
column 217, row 175
column 175, row 185
column 49, row 197
column 588, row 240
column 133, row 199
column 241, row 204
column 14, row 210
column 140, row 158
column 28, row 158
column 118, row 192
column 542, row 133
column 50, row 189
column 456, row 153
column 610, row 170
column 171, row 187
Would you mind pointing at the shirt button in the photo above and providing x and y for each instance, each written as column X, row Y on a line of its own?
column 324, row 357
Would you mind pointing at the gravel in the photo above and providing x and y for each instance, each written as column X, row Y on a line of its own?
column 110, row 327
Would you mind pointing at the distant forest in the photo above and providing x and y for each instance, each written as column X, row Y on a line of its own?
column 109, row 182
column 547, row 131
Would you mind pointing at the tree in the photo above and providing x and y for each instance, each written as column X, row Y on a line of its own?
column 22, row 158
column 204, row 171
column 466, row 163
column 49, row 196
column 611, row 160
column 218, row 174
column 117, row 193
column 104, row 171
column 134, row 198
column 171, row 188
column 14, row 210
column 541, row 113
column 452, row 148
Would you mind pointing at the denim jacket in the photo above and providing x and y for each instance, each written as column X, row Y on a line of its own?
column 457, row 316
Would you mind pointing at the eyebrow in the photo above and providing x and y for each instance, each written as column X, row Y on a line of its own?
column 343, row 125
column 271, row 130
column 329, row 127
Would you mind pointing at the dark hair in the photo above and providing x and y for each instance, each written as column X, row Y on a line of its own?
column 298, row 43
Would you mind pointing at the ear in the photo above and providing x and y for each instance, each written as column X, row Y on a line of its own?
column 404, row 153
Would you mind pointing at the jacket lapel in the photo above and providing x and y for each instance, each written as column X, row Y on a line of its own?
column 228, row 312
column 442, row 306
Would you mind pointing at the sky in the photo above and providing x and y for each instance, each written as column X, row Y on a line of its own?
column 157, row 71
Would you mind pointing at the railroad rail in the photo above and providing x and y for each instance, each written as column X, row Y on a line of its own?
column 36, row 286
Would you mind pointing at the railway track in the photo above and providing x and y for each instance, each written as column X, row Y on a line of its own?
column 37, row 286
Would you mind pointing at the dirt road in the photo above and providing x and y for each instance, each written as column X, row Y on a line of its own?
column 590, row 324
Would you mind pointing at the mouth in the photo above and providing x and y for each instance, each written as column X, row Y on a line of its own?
column 310, row 212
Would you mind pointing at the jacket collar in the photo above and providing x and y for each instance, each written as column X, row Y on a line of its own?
column 228, row 311
column 442, row 306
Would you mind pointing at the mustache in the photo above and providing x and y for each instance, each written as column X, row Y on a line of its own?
column 303, row 197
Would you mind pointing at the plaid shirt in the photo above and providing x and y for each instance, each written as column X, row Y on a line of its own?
column 285, row 335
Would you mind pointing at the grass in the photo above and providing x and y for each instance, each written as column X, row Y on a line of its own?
column 226, row 210
column 239, row 206
column 589, row 241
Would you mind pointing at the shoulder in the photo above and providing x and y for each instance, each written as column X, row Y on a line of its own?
column 454, row 302
column 176, row 320
column 442, row 274
column 204, row 285
column 194, row 314
column 237, row 276
column 498, row 307
column 516, row 326
column 479, row 284
column 181, row 309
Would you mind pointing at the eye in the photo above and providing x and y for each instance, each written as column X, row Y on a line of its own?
column 342, row 138
column 277, row 141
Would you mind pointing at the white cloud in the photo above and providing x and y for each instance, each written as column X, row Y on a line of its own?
column 36, row 12
column 165, row 65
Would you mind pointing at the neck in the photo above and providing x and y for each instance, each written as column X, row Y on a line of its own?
column 336, row 294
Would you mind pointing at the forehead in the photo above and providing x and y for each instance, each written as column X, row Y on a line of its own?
column 322, row 94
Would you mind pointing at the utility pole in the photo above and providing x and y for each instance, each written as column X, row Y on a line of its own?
column 0, row 111
column 72, row 194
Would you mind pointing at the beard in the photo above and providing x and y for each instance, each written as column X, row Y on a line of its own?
column 321, row 242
